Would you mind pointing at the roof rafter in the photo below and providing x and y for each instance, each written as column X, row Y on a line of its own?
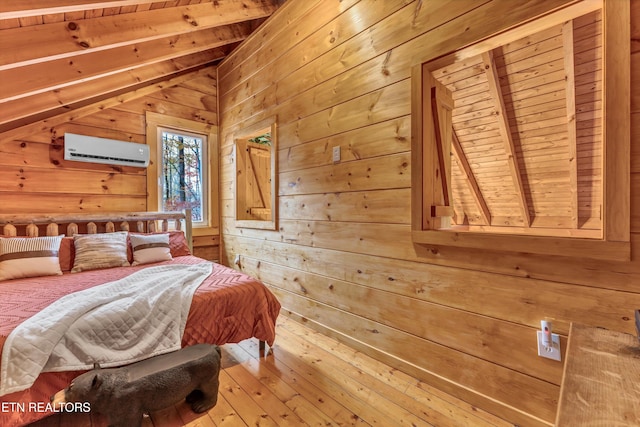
column 10, row 9
column 61, row 73
column 503, row 127
column 46, row 104
column 24, row 46
column 45, row 125
column 570, row 89
column 465, row 167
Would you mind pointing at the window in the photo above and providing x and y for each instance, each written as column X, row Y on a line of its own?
column 521, row 142
column 183, row 167
column 256, row 177
column 183, row 172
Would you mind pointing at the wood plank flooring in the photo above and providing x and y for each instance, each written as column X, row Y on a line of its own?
column 309, row 379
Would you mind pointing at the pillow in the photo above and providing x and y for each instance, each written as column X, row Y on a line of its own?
column 29, row 257
column 66, row 254
column 148, row 248
column 177, row 243
column 95, row 251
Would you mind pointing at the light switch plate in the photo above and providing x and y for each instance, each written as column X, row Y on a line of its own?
column 336, row 154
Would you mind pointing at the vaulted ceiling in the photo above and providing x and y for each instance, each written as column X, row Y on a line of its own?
column 527, row 143
column 56, row 55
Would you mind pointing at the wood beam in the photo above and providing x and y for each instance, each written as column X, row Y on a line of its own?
column 503, row 126
column 440, row 126
column 418, row 152
column 522, row 30
column 10, row 9
column 465, row 167
column 441, row 106
column 570, row 97
column 617, row 121
column 18, row 112
column 47, row 124
column 60, row 73
column 40, row 43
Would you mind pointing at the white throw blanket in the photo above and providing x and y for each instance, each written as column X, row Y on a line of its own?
column 139, row 316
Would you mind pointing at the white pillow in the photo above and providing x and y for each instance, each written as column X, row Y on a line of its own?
column 29, row 257
column 95, row 251
column 148, row 248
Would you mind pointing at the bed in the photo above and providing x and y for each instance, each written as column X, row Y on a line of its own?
column 228, row 306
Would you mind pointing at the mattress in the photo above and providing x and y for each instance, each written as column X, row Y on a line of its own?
column 228, row 307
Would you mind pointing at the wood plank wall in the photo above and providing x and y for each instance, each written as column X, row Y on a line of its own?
column 35, row 178
column 337, row 73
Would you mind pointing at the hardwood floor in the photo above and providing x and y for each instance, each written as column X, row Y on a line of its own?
column 310, row 380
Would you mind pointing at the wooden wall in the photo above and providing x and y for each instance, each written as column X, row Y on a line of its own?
column 342, row 260
column 34, row 177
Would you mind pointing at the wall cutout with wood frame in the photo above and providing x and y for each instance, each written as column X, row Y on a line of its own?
column 256, row 189
column 521, row 141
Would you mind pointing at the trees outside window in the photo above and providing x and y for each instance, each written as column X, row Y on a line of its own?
column 183, row 170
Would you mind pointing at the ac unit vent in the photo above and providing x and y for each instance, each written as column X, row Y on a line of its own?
column 83, row 148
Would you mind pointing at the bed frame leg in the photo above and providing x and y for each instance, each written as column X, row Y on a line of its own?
column 261, row 346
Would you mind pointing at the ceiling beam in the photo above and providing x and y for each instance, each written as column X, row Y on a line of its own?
column 40, row 43
column 465, row 167
column 503, row 126
column 10, row 9
column 570, row 89
column 60, row 73
column 18, row 112
column 47, row 124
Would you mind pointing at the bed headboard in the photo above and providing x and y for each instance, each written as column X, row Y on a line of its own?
column 92, row 223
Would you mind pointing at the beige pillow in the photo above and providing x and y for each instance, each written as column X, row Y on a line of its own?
column 148, row 248
column 29, row 257
column 95, row 251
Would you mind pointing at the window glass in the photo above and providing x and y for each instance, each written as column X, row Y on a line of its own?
column 182, row 173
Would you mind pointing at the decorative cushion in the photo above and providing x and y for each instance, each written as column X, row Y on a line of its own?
column 148, row 248
column 29, row 257
column 95, row 251
column 67, row 254
column 178, row 245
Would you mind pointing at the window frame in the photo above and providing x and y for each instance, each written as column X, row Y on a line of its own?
column 252, row 131
column 154, row 123
column 615, row 243
column 204, row 166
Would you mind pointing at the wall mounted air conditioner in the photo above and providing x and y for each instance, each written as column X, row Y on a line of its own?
column 84, row 148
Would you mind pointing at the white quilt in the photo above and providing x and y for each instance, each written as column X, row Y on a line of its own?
column 139, row 316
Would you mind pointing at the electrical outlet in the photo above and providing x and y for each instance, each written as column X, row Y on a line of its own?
column 551, row 351
column 336, row 154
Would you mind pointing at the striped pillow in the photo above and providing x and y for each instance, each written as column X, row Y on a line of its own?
column 29, row 257
column 95, row 251
column 148, row 248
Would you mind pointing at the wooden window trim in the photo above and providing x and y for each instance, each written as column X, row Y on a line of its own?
column 615, row 242
column 247, row 132
column 155, row 121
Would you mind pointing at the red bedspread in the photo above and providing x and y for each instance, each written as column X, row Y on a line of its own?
column 228, row 307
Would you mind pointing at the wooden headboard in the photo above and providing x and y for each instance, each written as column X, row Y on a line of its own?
column 92, row 223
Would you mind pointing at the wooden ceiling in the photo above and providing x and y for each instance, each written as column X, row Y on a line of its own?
column 527, row 133
column 57, row 55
